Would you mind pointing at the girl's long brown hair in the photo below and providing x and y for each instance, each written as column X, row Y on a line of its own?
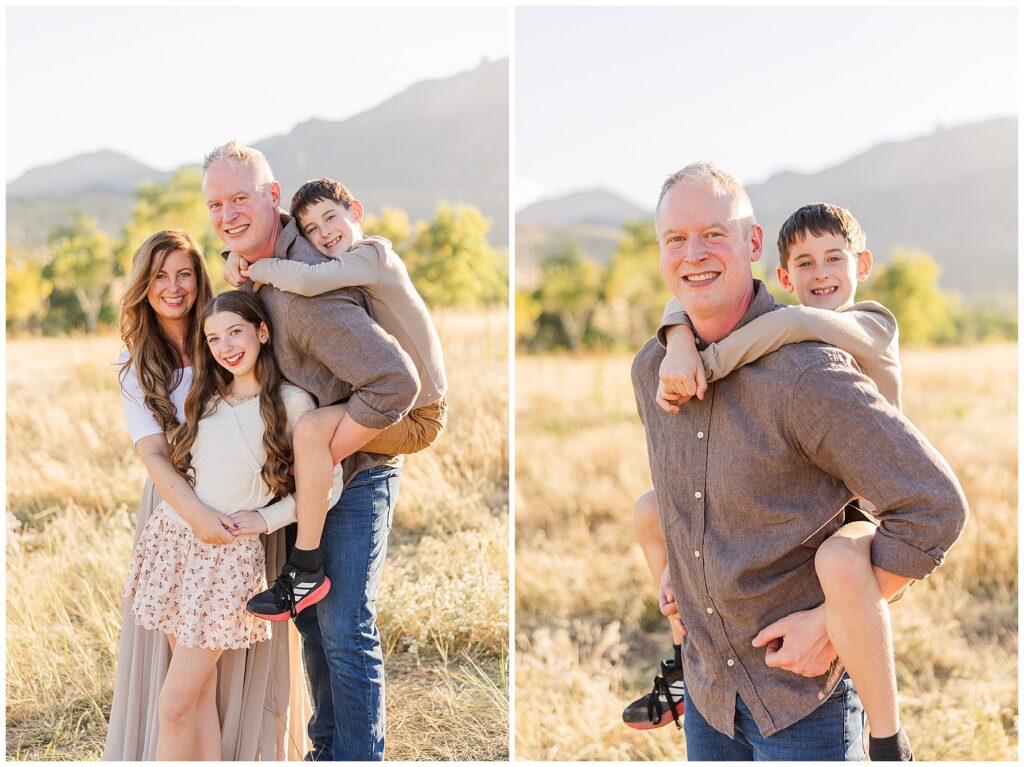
column 210, row 382
column 156, row 361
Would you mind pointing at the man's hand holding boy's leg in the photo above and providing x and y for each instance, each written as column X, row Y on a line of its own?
column 798, row 642
column 667, row 601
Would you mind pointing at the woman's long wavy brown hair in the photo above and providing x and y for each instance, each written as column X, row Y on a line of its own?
column 156, row 361
column 210, row 382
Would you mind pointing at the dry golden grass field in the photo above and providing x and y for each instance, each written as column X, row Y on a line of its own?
column 588, row 631
column 73, row 482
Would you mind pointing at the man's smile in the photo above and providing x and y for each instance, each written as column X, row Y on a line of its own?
column 702, row 278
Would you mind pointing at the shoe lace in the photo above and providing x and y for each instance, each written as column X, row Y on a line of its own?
column 284, row 593
column 662, row 688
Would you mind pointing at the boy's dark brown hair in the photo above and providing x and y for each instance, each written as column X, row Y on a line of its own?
column 320, row 189
column 820, row 219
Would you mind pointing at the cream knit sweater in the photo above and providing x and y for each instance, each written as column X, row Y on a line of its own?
column 228, row 456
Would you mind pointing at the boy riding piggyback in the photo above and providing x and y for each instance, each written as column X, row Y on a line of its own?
column 331, row 219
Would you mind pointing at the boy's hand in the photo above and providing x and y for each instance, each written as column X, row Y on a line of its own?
column 798, row 643
column 681, row 375
column 236, row 269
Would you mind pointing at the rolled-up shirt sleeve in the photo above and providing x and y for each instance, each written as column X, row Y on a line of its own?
column 843, row 425
column 674, row 314
column 344, row 338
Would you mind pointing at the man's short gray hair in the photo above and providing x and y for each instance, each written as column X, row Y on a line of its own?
column 720, row 182
column 242, row 155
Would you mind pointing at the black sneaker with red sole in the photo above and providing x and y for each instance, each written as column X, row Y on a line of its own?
column 292, row 592
column 662, row 705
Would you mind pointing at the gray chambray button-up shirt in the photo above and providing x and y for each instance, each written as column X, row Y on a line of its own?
column 749, row 482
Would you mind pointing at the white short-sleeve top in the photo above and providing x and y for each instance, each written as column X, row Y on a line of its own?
column 140, row 419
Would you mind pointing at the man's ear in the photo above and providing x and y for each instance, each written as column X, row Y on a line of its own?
column 356, row 209
column 784, row 280
column 275, row 193
column 864, row 263
column 756, row 243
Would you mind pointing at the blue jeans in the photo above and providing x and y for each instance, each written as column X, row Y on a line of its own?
column 833, row 732
column 340, row 643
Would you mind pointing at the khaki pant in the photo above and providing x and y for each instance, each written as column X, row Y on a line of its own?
column 418, row 430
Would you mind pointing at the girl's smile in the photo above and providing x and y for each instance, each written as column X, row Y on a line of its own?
column 235, row 345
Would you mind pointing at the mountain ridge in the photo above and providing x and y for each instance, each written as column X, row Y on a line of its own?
column 443, row 139
column 935, row 192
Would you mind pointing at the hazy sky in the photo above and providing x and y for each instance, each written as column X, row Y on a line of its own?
column 619, row 98
column 165, row 85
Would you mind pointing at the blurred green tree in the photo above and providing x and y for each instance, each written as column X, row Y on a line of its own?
column 633, row 282
column 908, row 286
column 451, row 262
column 81, row 267
column 175, row 204
column 569, row 294
column 27, row 290
column 528, row 311
column 392, row 224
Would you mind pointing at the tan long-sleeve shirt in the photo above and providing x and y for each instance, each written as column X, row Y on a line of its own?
column 331, row 347
column 752, row 478
column 867, row 330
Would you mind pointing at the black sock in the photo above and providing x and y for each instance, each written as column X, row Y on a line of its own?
column 677, row 653
column 895, row 748
column 308, row 560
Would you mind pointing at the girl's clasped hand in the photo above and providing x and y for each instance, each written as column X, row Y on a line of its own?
column 220, row 529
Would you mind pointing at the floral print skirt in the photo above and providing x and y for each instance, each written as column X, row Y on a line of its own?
column 196, row 591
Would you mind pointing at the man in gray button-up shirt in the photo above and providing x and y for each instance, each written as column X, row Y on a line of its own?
column 751, row 479
column 331, row 347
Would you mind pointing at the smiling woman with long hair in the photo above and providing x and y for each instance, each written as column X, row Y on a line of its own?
column 167, row 286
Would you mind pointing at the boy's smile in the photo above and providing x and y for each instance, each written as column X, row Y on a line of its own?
column 331, row 227
column 823, row 272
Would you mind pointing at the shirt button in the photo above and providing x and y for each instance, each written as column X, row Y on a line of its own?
column 711, row 611
column 730, row 662
column 700, row 435
column 696, row 554
column 697, row 494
